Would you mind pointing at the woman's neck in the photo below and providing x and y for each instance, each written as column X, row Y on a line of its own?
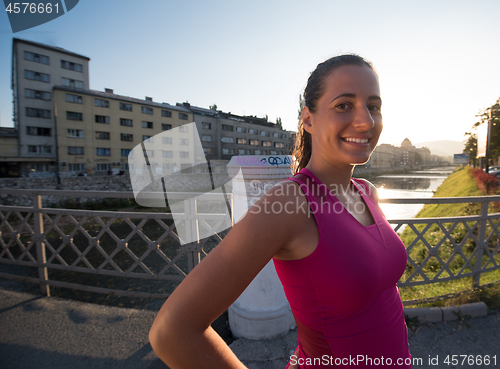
column 333, row 176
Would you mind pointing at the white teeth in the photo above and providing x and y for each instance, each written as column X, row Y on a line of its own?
column 357, row 140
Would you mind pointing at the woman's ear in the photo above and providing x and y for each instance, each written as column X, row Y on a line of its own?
column 307, row 119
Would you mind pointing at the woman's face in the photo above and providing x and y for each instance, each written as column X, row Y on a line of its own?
column 347, row 122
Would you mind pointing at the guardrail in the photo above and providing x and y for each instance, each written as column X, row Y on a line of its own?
column 144, row 246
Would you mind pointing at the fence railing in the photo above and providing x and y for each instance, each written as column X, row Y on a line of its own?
column 95, row 250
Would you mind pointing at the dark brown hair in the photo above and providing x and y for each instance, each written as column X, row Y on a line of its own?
column 312, row 93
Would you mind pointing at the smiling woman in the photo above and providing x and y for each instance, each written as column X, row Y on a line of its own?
column 339, row 267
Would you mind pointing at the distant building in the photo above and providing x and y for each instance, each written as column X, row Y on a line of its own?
column 224, row 135
column 385, row 156
column 36, row 69
column 97, row 130
column 62, row 126
column 9, row 155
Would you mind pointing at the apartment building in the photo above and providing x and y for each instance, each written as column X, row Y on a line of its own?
column 36, row 69
column 62, row 126
column 9, row 145
column 97, row 130
column 224, row 135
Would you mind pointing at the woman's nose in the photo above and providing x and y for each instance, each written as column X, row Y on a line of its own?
column 363, row 119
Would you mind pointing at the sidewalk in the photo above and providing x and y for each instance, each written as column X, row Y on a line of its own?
column 50, row 333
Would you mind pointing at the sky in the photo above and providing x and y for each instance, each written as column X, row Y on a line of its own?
column 438, row 61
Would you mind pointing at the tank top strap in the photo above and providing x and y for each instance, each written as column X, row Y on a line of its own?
column 363, row 186
column 311, row 191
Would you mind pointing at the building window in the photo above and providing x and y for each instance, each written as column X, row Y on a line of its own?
column 39, row 95
column 254, row 142
column 76, row 167
column 241, row 151
column 256, row 152
column 265, row 133
column 206, row 125
column 168, row 166
column 71, row 115
column 183, row 116
column 184, row 154
column 150, row 154
column 126, row 122
column 275, row 134
column 266, row 143
column 207, row 150
column 166, row 140
column 241, row 129
column 36, row 76
column 166, row 154
column 102, row 119
column 148, row 139
column 241, row 141
column 183, row 129
column 72, row 83
column 37, row 131
column 103, row 167
column 77, row 99
column 38, row 113
column 253, row 131
column 228, row 151
column 165, row 126
column 126, row 137
column 125, row 152
column 226, row 127
column 183, row 141
column 102, row 151
column 146, row 110
column 75, row 133
column 102, row 103
column 124, row 106
column 206, row 138
column 37, row 58
column 273, row 152
column 147, row 124
column 39, row 149
column 71, row 66
column 40, row 167
column 101, row 135
column 75, row 150
column 227, row 139
column 166, row 113
column 279, row 145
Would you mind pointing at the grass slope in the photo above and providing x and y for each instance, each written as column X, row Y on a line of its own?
column 460, row 183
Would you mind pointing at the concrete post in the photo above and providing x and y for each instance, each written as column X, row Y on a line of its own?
column 262, row 311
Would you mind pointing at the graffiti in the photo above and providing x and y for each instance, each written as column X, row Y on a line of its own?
column 276, row 160
column 261, row 186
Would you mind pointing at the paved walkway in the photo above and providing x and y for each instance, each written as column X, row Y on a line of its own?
column 50, row 333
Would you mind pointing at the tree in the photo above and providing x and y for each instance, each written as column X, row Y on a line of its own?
column 471, row 144
column 278, row 122
column 213, row 107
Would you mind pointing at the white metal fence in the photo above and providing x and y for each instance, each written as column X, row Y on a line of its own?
column 55, row 246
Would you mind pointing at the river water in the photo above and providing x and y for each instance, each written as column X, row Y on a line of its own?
column 420, row 183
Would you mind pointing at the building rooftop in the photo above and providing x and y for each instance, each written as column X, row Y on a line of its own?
column 8, row 132
column 220, row 113
column 111, row 95
column 48, row 47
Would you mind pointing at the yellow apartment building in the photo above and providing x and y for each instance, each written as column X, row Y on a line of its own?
column 97, row 130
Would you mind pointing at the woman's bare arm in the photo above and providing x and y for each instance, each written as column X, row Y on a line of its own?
column 181, row 334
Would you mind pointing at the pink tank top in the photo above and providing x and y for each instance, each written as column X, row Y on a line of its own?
column 344, row 296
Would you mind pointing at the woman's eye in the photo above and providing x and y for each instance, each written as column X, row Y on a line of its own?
column 343, row 106
column 374, row 108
